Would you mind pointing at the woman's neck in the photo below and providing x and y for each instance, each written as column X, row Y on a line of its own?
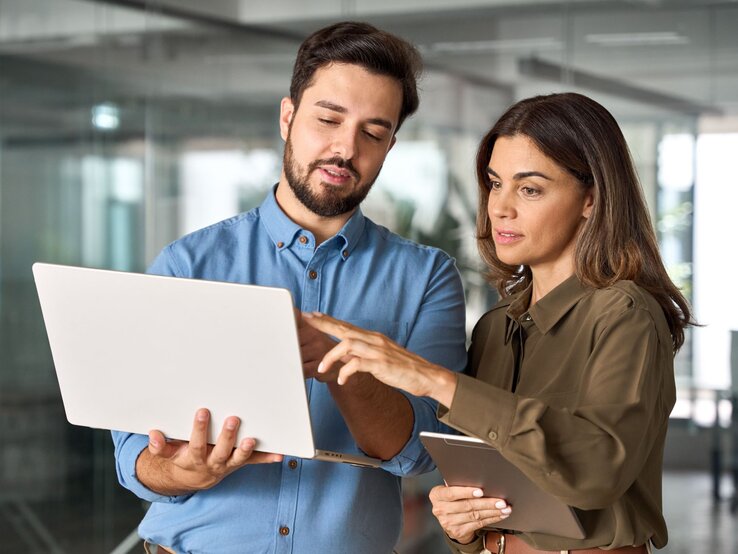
column 545, row 279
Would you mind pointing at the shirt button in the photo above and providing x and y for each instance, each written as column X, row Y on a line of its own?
column 527, row 317
column 280, row 244
column 345, row 253
column 303, row 239
column 284, row 531
column 493, row 435
column 292, row 464
column 313, row 274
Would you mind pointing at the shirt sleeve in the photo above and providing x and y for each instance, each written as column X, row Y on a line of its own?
column 128, row 446
column 474, row 547
column 439, row 336
column 588, row 456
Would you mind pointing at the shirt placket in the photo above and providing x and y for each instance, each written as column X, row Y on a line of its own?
column 292, row 467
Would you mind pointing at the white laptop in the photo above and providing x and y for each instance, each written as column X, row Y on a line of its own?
column 136, row 352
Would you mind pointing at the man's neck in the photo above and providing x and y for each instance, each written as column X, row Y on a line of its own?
column 321, row 227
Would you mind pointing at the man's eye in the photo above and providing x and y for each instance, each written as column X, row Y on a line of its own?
column 372, row 136
column 327, row 121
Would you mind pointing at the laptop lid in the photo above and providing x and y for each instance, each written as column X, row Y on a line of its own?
column 469, row 462
column 136, row 352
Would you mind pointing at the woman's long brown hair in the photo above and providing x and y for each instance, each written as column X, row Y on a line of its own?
column 617, row 242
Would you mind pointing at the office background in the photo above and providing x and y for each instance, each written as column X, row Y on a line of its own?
column 125, row 124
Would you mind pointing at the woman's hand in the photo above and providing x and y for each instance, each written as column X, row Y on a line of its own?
column 462, row 511
column 370, row 352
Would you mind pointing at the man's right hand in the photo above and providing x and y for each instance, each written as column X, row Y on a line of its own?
column 178, row 467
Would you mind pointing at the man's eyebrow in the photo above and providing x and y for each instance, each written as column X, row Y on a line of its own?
column 340, row 109
column 522, row 174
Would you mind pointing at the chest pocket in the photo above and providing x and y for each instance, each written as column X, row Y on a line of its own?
column 398, row 331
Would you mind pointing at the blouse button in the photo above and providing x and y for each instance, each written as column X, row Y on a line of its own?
column 313, row 274
column 303, row 239
column 493, row 435
column 280, row 244
column 284, row 531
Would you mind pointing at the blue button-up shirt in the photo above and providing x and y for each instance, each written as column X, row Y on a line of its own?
column 368, row 276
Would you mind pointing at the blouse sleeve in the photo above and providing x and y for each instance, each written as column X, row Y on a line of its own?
column 588, row 456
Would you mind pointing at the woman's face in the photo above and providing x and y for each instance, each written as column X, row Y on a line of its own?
column 535, row 206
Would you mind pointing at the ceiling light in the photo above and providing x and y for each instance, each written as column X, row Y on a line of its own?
column 106, row 117
column 638, row 39
column 547, row 43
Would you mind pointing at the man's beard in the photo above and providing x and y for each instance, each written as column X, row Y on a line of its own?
column 330, row 201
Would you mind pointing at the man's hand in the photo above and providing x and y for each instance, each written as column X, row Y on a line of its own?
column 313, row 346
column 180, row 467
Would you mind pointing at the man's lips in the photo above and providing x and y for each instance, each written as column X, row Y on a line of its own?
column 335, row 175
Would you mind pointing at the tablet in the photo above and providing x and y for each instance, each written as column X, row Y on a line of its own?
column 469, row 462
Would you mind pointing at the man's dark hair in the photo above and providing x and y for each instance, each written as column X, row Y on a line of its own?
column 361, row 44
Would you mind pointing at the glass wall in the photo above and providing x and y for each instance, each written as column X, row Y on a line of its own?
column 124, row 125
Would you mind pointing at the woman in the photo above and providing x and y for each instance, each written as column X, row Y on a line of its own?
column 570, row 375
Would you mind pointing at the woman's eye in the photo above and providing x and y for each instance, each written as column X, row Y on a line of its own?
column 530, row 191
column 494, row 185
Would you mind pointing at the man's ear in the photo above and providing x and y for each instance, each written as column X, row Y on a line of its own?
column 392, row 142
column 286, row 111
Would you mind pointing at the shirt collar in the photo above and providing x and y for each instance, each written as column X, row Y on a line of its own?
column 283, row 231
column 549, row 310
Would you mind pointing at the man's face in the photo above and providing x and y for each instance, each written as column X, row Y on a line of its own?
column 337, row 140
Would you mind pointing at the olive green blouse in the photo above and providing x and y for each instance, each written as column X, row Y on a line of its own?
column 576, row 392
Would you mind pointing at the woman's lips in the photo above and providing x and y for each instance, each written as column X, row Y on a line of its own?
column 506, row 237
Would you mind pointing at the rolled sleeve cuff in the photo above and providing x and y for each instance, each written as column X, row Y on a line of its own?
column 474, row 547
column 413, row 459
column 480, row 410
column 126, row 456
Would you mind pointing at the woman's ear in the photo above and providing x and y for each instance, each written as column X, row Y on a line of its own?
column 588, row 204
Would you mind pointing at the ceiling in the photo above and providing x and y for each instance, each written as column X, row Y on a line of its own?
column 646, row 58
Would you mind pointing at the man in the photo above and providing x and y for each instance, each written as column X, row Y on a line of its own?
column 352, row 87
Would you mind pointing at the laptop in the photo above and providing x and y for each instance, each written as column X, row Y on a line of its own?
column 135, row 352
column 469, row 462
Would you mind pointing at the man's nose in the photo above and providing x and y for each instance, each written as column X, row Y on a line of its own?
column 344, row 143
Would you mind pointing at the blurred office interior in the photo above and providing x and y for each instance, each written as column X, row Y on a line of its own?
column 126, row 124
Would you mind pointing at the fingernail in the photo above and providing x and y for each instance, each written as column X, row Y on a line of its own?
column 507, row 511
column 202, row 415
column 505, row 516
column 247, row 444
column 230, row 424
column 321, row 369
column 154, row 443
column 477, row 493
column 500, row 504
column 339, row 380
column 317, row 314
column 307, row 315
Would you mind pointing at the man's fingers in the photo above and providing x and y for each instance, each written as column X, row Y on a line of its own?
column 245, row 454
column 199, row 437
column 224, row 444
